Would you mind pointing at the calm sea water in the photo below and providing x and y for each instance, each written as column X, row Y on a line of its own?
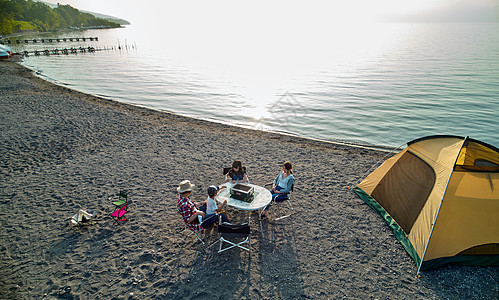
column 376, row 84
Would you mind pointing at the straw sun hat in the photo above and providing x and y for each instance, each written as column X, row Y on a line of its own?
column 185, row 186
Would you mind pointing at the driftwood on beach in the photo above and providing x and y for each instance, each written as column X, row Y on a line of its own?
column 61, row 150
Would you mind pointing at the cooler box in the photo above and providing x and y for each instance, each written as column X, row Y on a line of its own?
column 242, row 192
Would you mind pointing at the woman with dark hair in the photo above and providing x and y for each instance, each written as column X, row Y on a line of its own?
column 236, row 173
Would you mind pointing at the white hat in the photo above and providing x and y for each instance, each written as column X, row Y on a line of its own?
column 185, row 186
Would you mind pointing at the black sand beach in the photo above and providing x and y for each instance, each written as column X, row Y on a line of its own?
column 61, row 150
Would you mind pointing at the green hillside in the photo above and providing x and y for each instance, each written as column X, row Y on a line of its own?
column 21, row 15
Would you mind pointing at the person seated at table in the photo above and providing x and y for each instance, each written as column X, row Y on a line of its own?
column 213, row 213
column 236, row 173
column 189, row 210
column 282, row 183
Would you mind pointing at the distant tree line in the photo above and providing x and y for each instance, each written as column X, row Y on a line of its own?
column 21, row 15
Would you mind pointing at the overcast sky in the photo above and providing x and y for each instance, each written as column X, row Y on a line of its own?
column 353, row 10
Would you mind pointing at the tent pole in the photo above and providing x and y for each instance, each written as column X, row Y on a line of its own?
column 440, row 206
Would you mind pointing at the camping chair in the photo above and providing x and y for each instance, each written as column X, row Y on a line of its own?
column 287, row 198
column 122, row 199
column 196, row 232
column 234, row 235
column 200, row 230
column 121, row 206
column 227, row 170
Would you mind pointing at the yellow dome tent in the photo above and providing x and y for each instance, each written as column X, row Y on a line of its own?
column 440, row 195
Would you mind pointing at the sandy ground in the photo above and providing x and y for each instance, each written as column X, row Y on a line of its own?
column 61, row 150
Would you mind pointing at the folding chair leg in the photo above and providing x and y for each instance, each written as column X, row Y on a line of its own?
column 195, row 233
column 288, row 215
column 212, row 244
column 247, row 240
column 221, row 242
column 199, row 237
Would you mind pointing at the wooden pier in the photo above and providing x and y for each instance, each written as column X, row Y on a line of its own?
column 52, row 40
column 66, row 51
